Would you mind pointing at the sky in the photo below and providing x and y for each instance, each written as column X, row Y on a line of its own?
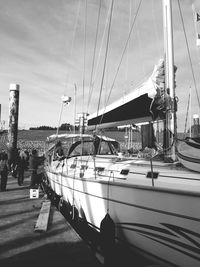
column 47, row 47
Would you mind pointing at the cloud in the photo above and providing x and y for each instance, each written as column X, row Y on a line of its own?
column 43, row 51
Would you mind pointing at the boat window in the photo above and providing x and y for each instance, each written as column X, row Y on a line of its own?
column 115, row 148
column 60, row 150
column 86, row 148
column 105, row 149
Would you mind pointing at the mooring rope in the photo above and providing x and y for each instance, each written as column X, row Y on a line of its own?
column 108, row 189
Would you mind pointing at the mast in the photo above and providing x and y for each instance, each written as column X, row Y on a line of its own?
column 190, row 109
column 169, row 80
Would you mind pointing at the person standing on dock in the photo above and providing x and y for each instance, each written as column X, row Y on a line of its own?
column 34, row 163
column 3, row 170
column 13, row 155
column 26, row 159
column 21, row 164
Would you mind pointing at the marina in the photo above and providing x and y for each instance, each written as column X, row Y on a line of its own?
column 119, row 185
column 147, row 199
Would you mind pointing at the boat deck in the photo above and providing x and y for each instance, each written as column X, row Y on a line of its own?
column 132, row 171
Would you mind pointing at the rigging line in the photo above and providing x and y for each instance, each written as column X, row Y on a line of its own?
column 154, row 21
column 98, row 60
column 94, row 53
column 70, row 55
column 192, row 69
column 187, row 113
column 127, row 58
column 73, row 39
column 60, row 115
column 105, row 60
column 140, row 50
column 108, row 190
column 73, row 193
column 121, row 58
column 84, row 58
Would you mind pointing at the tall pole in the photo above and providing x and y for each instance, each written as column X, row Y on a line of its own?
column 169, row 80
column 13, row 120
column 75, row 90
column 190, row 109
column 82, row 119
column 195, row 128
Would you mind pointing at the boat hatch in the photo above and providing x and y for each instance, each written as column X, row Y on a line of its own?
column 124, row 171
column 153, row 175
column 84, row 167
column 99, row 169
column 73, row 166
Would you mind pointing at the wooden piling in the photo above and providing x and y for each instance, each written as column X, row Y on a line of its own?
column 13, row 119
column 43, row 218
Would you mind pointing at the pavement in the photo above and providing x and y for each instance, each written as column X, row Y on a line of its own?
column 21, row 246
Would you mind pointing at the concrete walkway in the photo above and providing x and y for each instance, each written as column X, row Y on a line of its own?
column 21, row 246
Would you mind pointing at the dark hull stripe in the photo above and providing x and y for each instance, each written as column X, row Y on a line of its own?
column 147, row 253
column 158, row 237
column 189, row 159
column 175, row 248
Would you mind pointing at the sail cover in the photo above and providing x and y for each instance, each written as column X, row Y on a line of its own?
column 144, row 104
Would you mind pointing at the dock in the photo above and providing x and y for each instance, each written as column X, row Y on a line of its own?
column 20, row 243
column 34, row 233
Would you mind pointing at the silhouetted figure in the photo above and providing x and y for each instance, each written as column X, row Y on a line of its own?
column 3, row 170
column 27, row 159
column 34, row 163
column 13, row 155
column 21, row 164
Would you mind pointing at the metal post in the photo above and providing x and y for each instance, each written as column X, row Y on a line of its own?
column 75, row 90
column 82, row 123
column 170, row 123
column 195, row 128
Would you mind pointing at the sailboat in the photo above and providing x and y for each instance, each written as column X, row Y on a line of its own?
column 188, row 153
column 153, row 203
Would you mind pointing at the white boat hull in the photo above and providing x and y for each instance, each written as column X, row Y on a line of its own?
column 189, row 156
column 158, row 218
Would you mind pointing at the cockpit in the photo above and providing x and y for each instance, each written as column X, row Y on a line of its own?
column 90, row 145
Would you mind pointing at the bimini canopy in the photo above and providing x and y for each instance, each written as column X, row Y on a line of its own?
column 145, row 103
column 56, row 137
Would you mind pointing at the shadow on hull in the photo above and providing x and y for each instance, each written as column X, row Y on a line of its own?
column 116, row 256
